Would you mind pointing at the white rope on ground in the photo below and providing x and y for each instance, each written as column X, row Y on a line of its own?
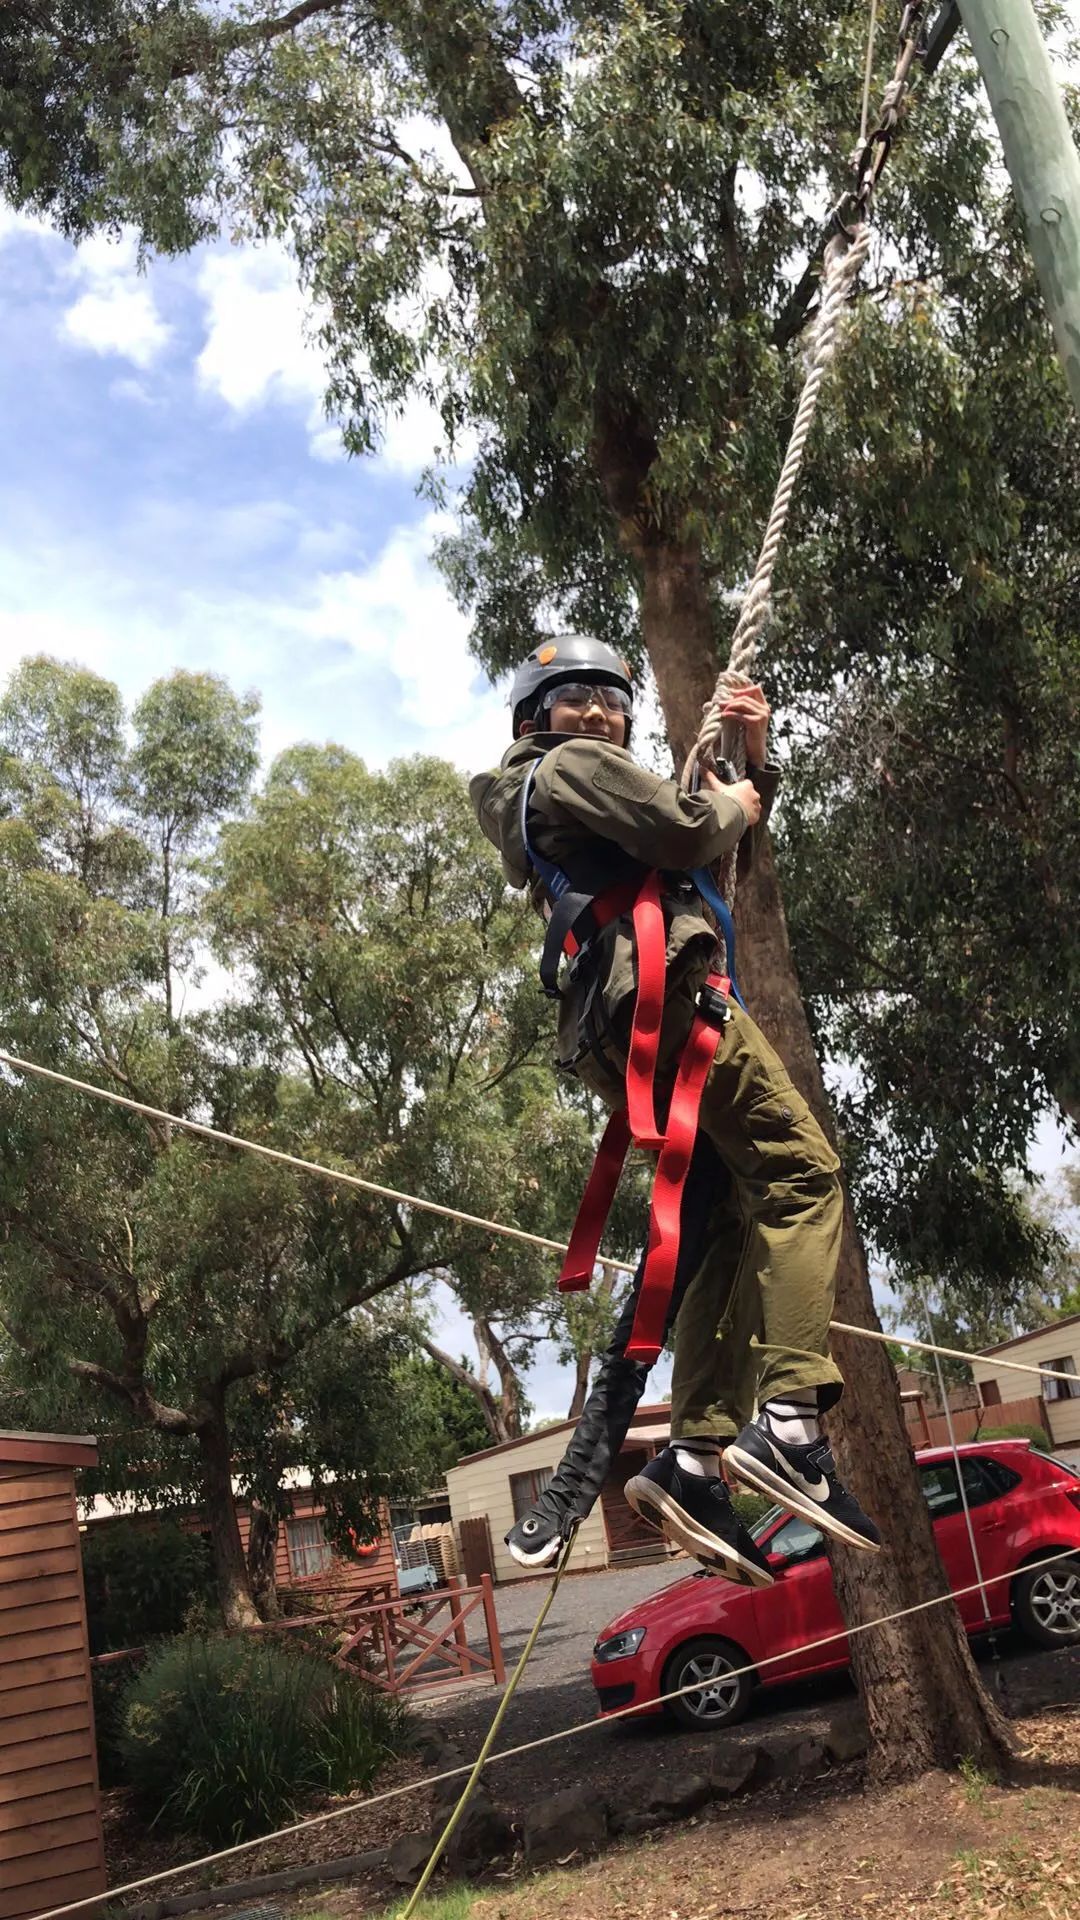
column 531, row 1746
column 112, row 1098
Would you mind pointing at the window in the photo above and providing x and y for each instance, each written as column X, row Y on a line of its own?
column 1001, row 1478
column 797, row 1539
column 941, row 1490
column 1060, row 1389
column 309, row 1549
column 991, row 1393
column 526, row 1488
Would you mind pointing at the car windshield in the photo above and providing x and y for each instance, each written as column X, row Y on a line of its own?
column 767, row 1520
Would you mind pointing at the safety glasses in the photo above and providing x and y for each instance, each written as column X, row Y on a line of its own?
column 581, row 697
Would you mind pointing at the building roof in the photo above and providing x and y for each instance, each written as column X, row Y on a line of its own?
column 1018, row 1339
column 649, row 1423
column 50, row 1449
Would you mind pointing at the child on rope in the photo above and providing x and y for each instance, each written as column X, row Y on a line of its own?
column 753, row 1327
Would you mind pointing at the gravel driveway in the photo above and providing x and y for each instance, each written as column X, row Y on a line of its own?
column 556, row 1692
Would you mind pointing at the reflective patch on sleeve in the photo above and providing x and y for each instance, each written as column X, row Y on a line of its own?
column 619, row 775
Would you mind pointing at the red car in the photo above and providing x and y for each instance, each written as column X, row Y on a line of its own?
column 1023, row 1506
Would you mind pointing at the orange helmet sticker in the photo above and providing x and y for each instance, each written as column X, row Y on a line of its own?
column 545, row 655
column 626, row 669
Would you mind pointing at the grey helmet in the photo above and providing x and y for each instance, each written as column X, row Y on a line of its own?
column 566, row 657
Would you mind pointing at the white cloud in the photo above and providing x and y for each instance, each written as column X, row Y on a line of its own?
column 260, row 351
column 117, row 313
column 397, row 614
column 373, row 655
column 16, row 224
column 257, row 349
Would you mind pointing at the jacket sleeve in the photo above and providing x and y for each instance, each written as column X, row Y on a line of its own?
column 592, row 785
column 766, row 779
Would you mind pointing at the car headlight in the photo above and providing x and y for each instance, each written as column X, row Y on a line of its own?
column 620, row 1646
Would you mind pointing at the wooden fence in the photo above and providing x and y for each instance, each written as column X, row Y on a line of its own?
column 400, row 1646
column 971, row 1423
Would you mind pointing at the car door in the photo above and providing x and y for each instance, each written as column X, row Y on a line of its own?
column 941, row 1491
column 800, row 1607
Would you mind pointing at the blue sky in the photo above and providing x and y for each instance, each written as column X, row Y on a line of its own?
column 172, row 496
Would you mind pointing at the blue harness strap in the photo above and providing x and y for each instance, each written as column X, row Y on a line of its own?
column 722, row 914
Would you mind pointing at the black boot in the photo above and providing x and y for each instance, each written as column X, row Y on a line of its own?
column 605, row 1419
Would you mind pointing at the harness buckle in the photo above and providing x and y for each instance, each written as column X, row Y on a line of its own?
column 713, row 1005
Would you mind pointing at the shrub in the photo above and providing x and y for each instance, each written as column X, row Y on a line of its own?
column 225, row 1737
column 751, row 1507
column 1039, row 1439
column 110, row 1689
column 142, row 1580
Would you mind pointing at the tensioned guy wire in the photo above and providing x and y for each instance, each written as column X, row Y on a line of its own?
column 531, row 1746
column 206, row 1132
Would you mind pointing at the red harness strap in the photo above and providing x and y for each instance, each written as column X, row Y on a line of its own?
column 637, row 1122
column 596, row 1204
column 665, row 1218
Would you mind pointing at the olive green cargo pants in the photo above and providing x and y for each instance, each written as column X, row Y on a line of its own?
column 755, row 1320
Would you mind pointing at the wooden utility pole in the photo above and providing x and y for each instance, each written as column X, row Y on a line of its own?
column 1040, row 154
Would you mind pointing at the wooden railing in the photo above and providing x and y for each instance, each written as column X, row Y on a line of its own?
column 400, row 1646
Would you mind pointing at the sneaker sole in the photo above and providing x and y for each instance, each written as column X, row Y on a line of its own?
column 763, row 1480
column 648, row 1500
column 533, row 1560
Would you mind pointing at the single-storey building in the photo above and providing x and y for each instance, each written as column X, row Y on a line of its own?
column 304, row 1556
column 51, row 1849
column 1056, row 1347
column 500, row 1485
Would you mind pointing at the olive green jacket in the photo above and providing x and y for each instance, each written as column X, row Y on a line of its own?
column 591, row 802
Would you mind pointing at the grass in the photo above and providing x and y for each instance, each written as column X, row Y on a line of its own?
column 455, row 1904
column 976, row 1781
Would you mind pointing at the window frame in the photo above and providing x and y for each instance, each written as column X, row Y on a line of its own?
column 300, row 1550
column 523, row 1497
column 1060, row 1389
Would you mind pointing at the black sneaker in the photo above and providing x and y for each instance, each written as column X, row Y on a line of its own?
column 697, row 1514
column 802, row 1478
column 535, row 1540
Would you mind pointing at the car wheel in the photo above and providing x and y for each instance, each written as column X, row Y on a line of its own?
column 722, row 1694
column 1046, row 1604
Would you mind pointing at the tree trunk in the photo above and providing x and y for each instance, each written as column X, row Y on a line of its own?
column 581, row 1386
column 262, row 1561
column 488, row 1404
column 924, row 1703
column 234, row 1590
column 510, row 1394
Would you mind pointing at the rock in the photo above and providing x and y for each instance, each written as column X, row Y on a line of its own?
column 846, row 1739
column 741, row 1771
column 808, row 1756
column 408, row 1856
column 633, row 1824
column 435, row 1748
column 574, row 1821
column 482, row 1835
column 677, row 1799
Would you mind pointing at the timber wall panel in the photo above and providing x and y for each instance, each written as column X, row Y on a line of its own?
column 50, row 1816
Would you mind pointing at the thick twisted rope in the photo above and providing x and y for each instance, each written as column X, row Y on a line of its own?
column 844, row 256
